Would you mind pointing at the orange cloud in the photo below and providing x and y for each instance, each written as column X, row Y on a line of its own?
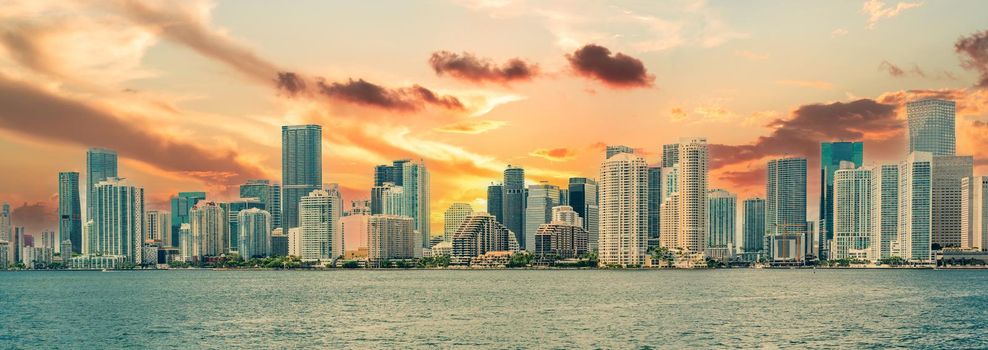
column 472, row 126
column 554, row 154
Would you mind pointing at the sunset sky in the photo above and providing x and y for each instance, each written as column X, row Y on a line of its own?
column 192, row 94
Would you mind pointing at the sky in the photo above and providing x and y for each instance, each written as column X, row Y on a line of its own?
column 192, row 94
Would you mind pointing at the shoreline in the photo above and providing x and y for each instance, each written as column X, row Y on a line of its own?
column 517, row 269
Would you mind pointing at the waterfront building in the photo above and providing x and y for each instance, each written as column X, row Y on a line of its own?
column 495, row 201
column 208, row 225
column 654, row 205
column 66, row 250
column 513, row 204
column 388, row 199
column 117, row 220
column 254, row 233
column 565, row 214
column 158, row 227
column 453, row 217
column 692, row 191
column 947, row 173
column 7, row 230
column 101, row 164
column 392, row 237
column 295, row 242
column 354, row 232
column 583, row 198
column 413, row 179
column 785, row 206
column 753, row 237
column 4, row 255
column 232, row 210
column 669, row 228
column 185, row 243
column 721, row 224
column 931, row 126
column 560, row 240
column 301, row 168
column 884, row 210
column 69, row 210
column 831, row 156
column 852, row 212
column 279, row 243
column 266, row 192
column 541, row 198
column 623, row 190
column 975, row 211
column 181, row 204
column 481, row 233
column 322, row 232
column 915, row 207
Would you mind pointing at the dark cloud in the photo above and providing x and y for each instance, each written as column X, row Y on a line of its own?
column 801, row 134
column 35, row 217
column 618, row 70
column 892, row 69
column 33, row 112
column 402, row 99
column 468, row 67
column 974, row 55
column 290, row 83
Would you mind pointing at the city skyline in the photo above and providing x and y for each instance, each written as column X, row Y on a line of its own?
column 217, row 144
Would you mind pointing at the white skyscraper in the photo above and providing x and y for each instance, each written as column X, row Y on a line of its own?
column 692, row 190
column 453, row 217
column 785, row 209
column 721, row 223
column 975, row 210
column 915, row 207
column 158, row 226
column 392, row 199
column 117, row 220
column 885, row 211
column 208, row 230
column 541, row 198
column 852, row 212
column 565, row 214
column 255, row 233
column 392, row 237
column 946, row 176
column 319, row 220
column 623, row 210
column 185, row 242
column 931, row 126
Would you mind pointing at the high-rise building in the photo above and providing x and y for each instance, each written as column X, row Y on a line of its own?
column 354, row 232
column 583, row 199
column 654, row 204
column 158, row 227
column 947, row 173
column 669, row 224
column 267, row 193
column 479, row 234
column 392, row 237
column 295, row 241
column 390, row 173
column 831, row 156
column 4, row 255
column 931, row 126
column 301, row 168
column 453, row 217
column 623, row 189
column 693, row 166
column 975, row 211
column 358, row 207
column 279, row 242
column 208, row 226
column 753, row 238
column 415, row 181
column 495, row 201
column 390, row 199
column 852, row 212
column 186, row 243
column 254, row 233
column 513, row 205
column 69, row 210
column 117, row 217
column 181, row 205
column 915, row 207
column 541, row 198
column 321, row 230
column 885, row 211
column 670, row 155
column 232, row 210
column 722, row 210
column 785, row 204
column 101, row 164
column 6, row 231
column 612, row 150
column 566, row 215
column 560, row 240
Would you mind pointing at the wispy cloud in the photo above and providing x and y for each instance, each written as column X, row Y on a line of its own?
column 554, row 154
column 472, row 126
column 878, row 11
column 838, row 32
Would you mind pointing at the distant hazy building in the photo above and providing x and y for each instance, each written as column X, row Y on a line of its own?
column 186, row 246
column 560, row 240
column 931, row 126
column 785, row 206
column 852, row 212
column 495, row 201
column 301, row 168
column 4, row 255
column 831, row 156
column 69, row 210
column 392, row 237
column 479, row 234
column 158, row 227
column 514, row 202
column 232, row 210
column 453, row 217
column 267, row 193
column 101, row 164
column 975, row 211
column 117, row 216
column 721, row 223
column 208, row 225
column 885, row 211
column 947, row 173
column 181, row 205
column 612, row 150
column 623, row 189
column 583, row 199
column 254, row 227
column 753, row 239
column 6, row 230
column 538, row 211
column 915, row 207
column 321, row 229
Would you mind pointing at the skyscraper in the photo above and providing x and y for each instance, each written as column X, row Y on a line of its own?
column 101, row 164
column 480, row 233
column 611, row 150
column 583, row 199
column 654, row 204
column 931, row 126
column 722, row 207
column 785, row 202
column 514, row 202
column 69, row 210
column 831, row 156
column 158, row 227
column 415, row 181
column 693, row 166
column 975, row 211
column 6, row 231
column 254, row 231
column 232, row 210
column 623, row 210
column 181, row 205
column 268, row 193
column 885, row 210
column 852, row 212
column 117, row 217
column 301, row 168
column 208, row 225
column 453, row 217
column 321, row 230
column 754, row 227
column 946, row 176
column 391, row 237
column 670, row 155
column 384, row 174
column 541, row 198
column 915, row 207
column 565, row 214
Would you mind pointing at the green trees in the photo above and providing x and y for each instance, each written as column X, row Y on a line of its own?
column 521, row 259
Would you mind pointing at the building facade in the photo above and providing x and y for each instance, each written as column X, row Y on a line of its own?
column 392, row 237
column 513, row 204
column 181, row 204
column 69, row 210
column 915, row 207
column 208, row 231
column 301, row 168
column 101, row 164
column 692, row 191
column 321, row 230
column 947, row 173
column 753, row 237
column 623, row 189
column 268, row 193
column 117, row 220
column 721, row 224
column 479, row 234
column 254, row 231
column 931, row 126
column 852, row 213
column 831, row 156
column 885, row 211
column 453, row 217
column 538, row 210
column 785, row 202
